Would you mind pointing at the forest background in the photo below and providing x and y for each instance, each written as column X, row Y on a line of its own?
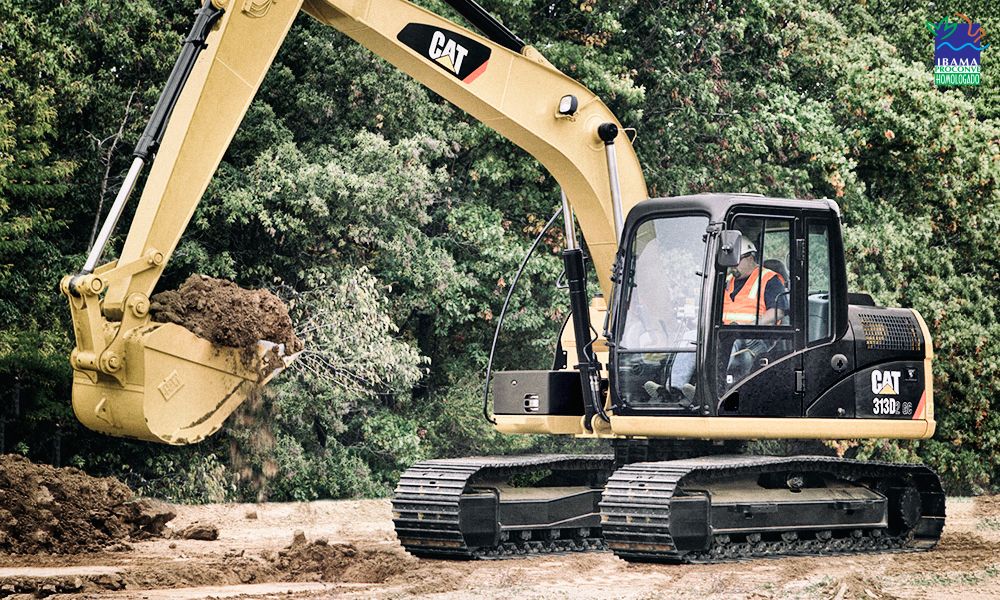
column 392, row 222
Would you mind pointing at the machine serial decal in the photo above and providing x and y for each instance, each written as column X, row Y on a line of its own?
column 463, row 57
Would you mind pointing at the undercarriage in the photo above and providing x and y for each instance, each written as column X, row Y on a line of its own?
column 695, row 509
column 495, row 507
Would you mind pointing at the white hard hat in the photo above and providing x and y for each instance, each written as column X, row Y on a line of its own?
column 748, row 248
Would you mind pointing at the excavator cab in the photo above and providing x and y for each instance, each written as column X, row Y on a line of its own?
column 716, row 316
column 731, row 319
column 737, row 306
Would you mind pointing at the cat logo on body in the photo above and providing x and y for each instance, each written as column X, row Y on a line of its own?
column 885, row 383
column 461, row 56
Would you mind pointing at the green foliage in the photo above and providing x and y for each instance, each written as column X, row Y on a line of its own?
column 392, row 222
column 32, row 179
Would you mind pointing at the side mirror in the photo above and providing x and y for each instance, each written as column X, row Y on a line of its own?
column 730, row 248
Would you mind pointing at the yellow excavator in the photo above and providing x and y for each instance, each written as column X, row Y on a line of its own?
column 724, row 317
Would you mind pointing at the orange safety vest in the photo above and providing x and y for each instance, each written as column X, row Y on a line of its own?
column 744, row 309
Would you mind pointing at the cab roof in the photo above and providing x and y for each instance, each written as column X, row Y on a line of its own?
column 717, row 205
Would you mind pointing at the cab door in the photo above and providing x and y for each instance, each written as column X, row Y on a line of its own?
column 827, row 356
column 757, row 358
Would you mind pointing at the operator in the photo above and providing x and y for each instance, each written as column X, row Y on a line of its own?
column 741, row 306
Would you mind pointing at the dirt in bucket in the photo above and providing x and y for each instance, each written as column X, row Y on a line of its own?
column 226, row 314
column 44, row 509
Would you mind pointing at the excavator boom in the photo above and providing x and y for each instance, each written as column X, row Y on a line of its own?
column 159, row 382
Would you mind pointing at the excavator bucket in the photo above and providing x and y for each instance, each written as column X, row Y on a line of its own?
column 178, row 389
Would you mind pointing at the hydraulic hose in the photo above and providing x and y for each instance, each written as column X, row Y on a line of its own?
column 503, row 313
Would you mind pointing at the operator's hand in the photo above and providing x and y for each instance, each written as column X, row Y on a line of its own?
column 771, row 317
column 653, row 389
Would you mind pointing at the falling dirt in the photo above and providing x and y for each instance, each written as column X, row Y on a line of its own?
column 252, row 443
column 45, row 509
column 224, row 313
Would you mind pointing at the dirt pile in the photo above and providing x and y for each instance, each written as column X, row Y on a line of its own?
column 205, row 532
column 320, row 560
column 856, row 587
column 224, row 313
column 65, row 511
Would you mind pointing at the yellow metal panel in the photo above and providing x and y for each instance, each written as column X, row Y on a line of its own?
column 724, row 428
column 546, row 424
column 928, row 376
column 750, row 428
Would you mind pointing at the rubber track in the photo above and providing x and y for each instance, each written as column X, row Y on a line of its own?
column 425, row 505
column 635, row 508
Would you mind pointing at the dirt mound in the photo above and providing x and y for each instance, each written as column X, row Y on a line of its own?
column 224, row 313
column 319, row 560
column 64, row 511
column 856, row 587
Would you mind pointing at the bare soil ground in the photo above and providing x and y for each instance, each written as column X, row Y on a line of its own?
column 347, row 549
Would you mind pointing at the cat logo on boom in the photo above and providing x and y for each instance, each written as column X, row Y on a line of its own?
column 447, row 52
column 461, row 56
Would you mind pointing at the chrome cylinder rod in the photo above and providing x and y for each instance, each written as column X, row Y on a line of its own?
column 113, row 215
column 608, row 132
column 568, row 221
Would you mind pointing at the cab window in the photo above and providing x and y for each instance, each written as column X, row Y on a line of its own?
column 657, row 341
column 820, row 320
column 758, row 290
